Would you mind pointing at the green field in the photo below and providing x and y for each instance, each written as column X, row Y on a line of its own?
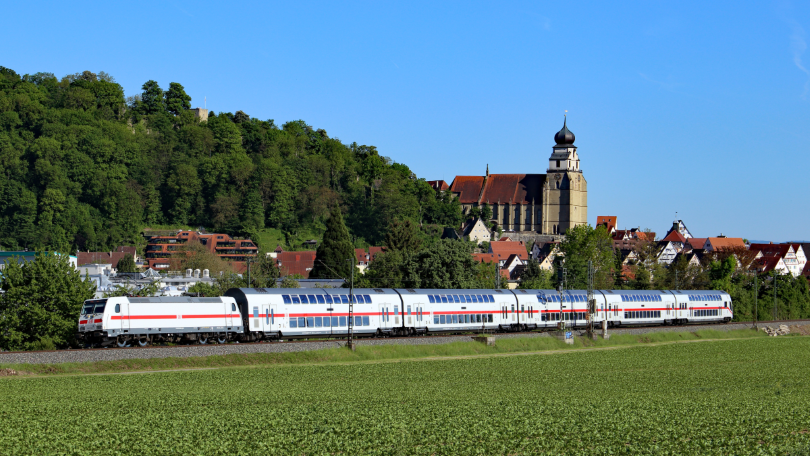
column 723, row 397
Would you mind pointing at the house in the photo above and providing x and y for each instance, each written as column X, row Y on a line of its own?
column 608, row 221
column 679, row 227
column 26, row 256
column 627, row 239
column 794, row 261
column 438, row 185
column 364, row 258
column 667, row 251
column 696, row 243
column 769, row 263
column 160, row 248
column 544, row 253
column 112, row 258
column 477, row 231
column 716, row 244
column 505, row 248
column 298, row 263
column 693, row 257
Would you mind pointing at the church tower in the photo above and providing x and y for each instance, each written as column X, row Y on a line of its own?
column 565, row 191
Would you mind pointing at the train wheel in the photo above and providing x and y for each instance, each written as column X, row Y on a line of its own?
column 143, row 341
column 222, row 338
column 121, row 341
column 203, row 339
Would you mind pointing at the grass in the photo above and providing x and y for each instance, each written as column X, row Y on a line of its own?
column 377, row 353
column 739, row 396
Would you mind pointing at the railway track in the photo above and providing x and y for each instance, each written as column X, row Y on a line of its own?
column 184, row 351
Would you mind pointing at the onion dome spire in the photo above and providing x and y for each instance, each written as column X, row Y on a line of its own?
column 564, row 137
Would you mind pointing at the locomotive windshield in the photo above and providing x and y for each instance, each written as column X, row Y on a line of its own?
column 94, row 306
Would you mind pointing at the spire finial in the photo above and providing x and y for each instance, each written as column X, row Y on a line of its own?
column 487, row 169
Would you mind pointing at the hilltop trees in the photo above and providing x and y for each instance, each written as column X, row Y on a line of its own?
column 84, row 168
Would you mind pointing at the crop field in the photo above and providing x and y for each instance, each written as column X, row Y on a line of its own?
column 724, row 397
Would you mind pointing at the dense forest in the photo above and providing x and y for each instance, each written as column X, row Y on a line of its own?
column 87, row 168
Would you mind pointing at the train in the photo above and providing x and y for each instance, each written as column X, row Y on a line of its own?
column 256, row 314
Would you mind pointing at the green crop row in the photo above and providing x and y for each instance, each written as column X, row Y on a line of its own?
column 726, row 397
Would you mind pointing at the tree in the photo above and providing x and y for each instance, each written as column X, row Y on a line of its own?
column 534, row 278
column 151, row 99
column 486, row 213
column 193, row 255
column 127, row 264
column 177, row 100
column 403, row 235
column 335, row 255
column 581, row 244
column 251, row 212
column 41, row 304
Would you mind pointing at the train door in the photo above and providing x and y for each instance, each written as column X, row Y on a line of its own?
column 385, row 322
column 266, row 325
column 121, row 311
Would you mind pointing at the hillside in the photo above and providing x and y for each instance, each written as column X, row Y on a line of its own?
column 86, row 168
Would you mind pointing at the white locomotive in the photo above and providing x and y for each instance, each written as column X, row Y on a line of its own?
column 125, row 320
column 251, row 314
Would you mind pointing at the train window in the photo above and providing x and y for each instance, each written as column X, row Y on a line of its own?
column 358, row 321
column 293, row 322
column 492, row 299
column 303, row 299
column 342, row 321
column 467, row 318
column 233, row 307
column 287, row 299
column 474, row 299
column 312, row 299
column 295, row 299
column 440, row 319
column 272, row 317
column 478, row 318
column 255, row 312
column 321, row 300
column 444, row 298
column 302, row 322
column 431, row 298
column 317, row 322
column 468, row 298
column 334, row 321
column 118, row 308
column 457, row 298
column 435, row 319
column 328, row 299
column 455, row 319
column 365, row 321
column 310, row 322
column 344, row 299
column 490, row 318
column 409, row 309
column 358, row 299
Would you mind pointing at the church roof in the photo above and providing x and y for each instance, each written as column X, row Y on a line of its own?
column 675, row 236
column 513, row 189
column 468, row 188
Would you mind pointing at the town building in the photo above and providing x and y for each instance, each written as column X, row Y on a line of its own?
column 791, row 255
column 111, row 258
column 26, row 256
column 161, row 250
column 547, row 204
column 476, row 231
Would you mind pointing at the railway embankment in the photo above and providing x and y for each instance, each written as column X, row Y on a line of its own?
column 125, row 355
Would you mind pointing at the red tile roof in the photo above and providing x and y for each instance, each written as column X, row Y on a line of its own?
column 505, row 248
column 360, row 254
column 484, row 257
column 775, row 250
column 675, row 236
column 372, row 251
column 468, row 188
column 101, row 258
column 300, row 262
column 608, row 220
column 696, row 243
column 718, row 243
column 766, row 263
column 513, row 189
column 438, row 185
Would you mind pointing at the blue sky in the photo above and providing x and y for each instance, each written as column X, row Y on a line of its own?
column 696, row 107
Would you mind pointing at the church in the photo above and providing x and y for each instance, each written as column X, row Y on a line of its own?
column 548, row 203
